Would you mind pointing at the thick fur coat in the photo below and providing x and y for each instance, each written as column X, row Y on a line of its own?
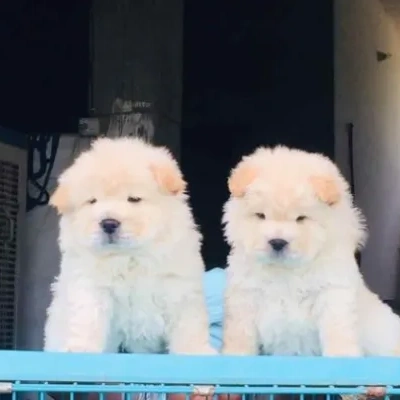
column 294, row 287
column 131, row 273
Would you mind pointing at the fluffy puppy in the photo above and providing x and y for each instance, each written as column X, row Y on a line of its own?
column 131, row 269
column 294, row 287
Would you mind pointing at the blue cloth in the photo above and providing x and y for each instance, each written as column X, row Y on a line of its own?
column 214, row 287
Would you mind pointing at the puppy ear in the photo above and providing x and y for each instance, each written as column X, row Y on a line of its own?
column 169, row 178
column 60, row 199
column 326, row 189
column 241, row 177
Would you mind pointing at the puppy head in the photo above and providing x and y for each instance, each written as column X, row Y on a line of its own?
column 120, row 195
column 288, row 207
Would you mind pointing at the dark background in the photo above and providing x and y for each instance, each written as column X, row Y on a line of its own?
column 44, row 68
column 255, row 72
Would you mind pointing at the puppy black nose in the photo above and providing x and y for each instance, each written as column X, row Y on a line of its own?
column 278, row 244
column 109, row 225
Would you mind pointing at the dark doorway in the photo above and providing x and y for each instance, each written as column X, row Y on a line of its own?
column 45, row 64
column 255, row 73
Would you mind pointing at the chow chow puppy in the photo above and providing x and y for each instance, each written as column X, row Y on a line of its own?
column 131, row 273
column 294, row 287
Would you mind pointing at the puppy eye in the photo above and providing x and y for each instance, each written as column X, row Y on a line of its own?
column 260, row 215
column 134, row 199
column 301, row 218
column 92, row 201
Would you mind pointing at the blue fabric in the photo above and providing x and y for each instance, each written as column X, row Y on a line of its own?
column 214, row 287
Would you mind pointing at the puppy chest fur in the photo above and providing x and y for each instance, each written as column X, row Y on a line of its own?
column 138, row 321
column 309, row 315
column 118, row 305
column 285, row 319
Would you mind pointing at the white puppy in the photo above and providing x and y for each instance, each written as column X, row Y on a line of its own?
column 131, row 272
column 294, row 287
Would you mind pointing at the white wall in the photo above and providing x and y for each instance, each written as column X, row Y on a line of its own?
column 367, row 93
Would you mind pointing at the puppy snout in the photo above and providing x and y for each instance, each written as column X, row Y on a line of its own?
column 278, row 244
column 109, row 225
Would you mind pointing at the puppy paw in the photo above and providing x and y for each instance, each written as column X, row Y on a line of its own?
column 82, row 348
column 204, row 391
column 235, row 353
column 76, row 349
column 372, row 392
column 339, row 340
column 209, row 351
column 206, row 350
column 236, row 350
column 240, row 346
column 343, row 353
column 376, row 391
column 339, row 350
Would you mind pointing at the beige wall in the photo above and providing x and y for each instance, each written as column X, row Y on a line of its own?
column 367, row 93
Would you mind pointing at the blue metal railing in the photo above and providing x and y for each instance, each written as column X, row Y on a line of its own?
column 22, row 371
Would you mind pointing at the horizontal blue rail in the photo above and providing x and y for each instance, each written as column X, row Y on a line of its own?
column 25, row 366
column 165, row 389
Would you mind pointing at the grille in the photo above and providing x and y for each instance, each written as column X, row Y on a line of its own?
column 9, row 179
column 67, row 376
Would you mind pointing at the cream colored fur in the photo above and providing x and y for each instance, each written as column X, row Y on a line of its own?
column 310, row 299
column 144, row 290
